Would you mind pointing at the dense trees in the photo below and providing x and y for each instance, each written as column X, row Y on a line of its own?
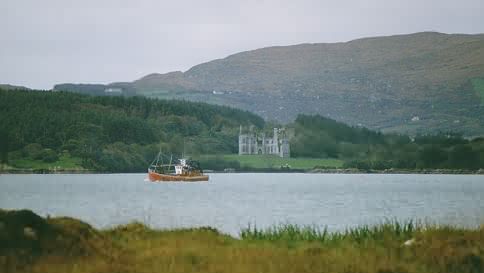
column 123, row 134
column 113, row 133
column 316, row 136
column 4, row 141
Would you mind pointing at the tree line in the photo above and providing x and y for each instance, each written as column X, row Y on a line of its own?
column 316, row 136
column 113, row 133
column 123, row 134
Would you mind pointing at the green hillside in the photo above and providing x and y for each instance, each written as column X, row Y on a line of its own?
column 110, row 133
column 418, row 83
column 59, row 130
column 380, row 83
column 319, row 137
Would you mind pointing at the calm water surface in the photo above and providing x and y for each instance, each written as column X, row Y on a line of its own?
column 231, row 201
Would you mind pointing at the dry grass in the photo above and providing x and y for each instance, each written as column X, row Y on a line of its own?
column 137, row 248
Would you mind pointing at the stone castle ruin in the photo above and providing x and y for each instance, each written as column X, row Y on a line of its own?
column 251, row 143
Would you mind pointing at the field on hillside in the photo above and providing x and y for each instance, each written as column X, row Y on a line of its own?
column 275, row 162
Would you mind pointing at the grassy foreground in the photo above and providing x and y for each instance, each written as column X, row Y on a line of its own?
column 29, row 243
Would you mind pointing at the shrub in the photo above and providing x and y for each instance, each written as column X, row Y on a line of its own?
column 33, row 151
column 49, row 155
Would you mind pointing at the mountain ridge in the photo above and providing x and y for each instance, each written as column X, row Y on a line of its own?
column 411, row 83
column 12, row 87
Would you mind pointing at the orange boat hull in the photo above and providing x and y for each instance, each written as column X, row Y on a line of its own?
column 157, row 177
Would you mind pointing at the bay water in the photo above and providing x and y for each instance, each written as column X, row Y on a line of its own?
column 231, row 201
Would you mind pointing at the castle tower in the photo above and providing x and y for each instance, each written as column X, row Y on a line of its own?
column 249, row 141
column 263, row 149
column 244, row 142
column 275, row 142
column 241, row 141
column 285, row 151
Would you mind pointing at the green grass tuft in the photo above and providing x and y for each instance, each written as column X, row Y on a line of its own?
column 290, row 233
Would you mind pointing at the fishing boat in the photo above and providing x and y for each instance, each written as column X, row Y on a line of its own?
column 185, row 170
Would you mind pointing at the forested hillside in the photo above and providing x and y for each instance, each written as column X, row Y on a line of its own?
column 123, row 134
column 316, row 136
column 112, row 133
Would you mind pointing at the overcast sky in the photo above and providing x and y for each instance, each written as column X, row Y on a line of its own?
column 44, row 42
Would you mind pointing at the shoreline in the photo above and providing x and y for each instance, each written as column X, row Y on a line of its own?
column 311, row 171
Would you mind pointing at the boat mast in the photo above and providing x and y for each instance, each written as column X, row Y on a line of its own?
column 169, row 165
column 158, row 157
